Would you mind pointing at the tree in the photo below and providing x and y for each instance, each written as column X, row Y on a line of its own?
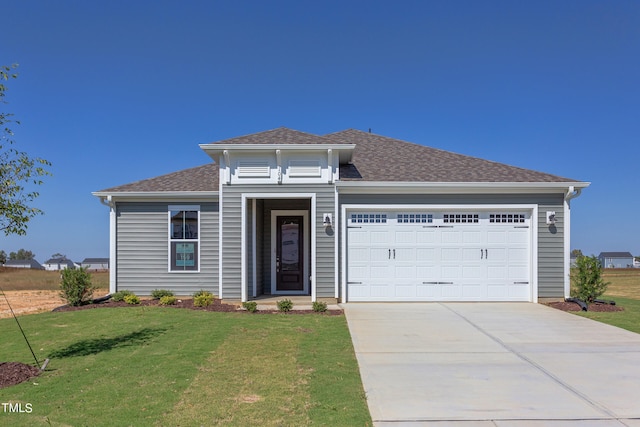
column 22, row 254
column 3, row 257
column 576, row 253
column 58, row 255
column 17, row 170
column 586, row 279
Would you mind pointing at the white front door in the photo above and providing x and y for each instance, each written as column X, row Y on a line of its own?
column 438, row 256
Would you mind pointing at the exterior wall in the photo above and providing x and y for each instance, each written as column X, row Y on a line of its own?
column 232, row 225
column 550, row 238
column 142, row 250
column 609, row 262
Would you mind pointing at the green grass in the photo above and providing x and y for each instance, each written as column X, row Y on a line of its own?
column 150, row 366
column 624, row 289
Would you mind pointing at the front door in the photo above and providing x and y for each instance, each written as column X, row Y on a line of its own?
column 289, row 253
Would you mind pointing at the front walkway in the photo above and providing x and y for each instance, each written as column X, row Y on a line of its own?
column 493, row 364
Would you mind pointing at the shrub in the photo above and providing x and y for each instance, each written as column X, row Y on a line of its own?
column 76, row 286
column 250, row 306
column 132, row 299
column 159, row 293
column 119, row 296
column 319, row 306
column 202, row 299
column 586, row 279
column 167, row 300
column 285, row 305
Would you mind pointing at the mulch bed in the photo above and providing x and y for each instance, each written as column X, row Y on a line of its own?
column 572, row 306
column 12, row 373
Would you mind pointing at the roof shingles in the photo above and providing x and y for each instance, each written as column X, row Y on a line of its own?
column 376, row 158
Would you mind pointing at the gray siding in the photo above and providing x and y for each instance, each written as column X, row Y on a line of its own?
column 142, row 250
column 550, row 239
column 232, row 257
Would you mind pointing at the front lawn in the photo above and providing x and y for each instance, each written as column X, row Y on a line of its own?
column 147, row 366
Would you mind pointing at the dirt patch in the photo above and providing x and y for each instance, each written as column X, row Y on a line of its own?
column 29, row 302
column 572, row 306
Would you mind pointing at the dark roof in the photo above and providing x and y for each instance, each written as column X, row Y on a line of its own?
column 201, row 178
column 616, row 255
column 16, row 262
column 95, row 261
column 379, row 158
column 375, row 158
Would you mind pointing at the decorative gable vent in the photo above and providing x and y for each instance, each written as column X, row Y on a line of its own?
column 247, row 169
column 305, row 168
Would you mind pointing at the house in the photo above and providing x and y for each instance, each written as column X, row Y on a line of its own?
column 348, row 216
column 23, row 263
column 616, row 259
column 62, row 263
column 95, row 263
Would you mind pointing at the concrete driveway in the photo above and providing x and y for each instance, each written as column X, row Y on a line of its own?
column 493, row 364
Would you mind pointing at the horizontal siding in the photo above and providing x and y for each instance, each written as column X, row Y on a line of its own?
column 142, row 250
column 232, row 213
column 550, row 239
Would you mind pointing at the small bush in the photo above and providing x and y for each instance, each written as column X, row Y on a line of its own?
column 285, row 305
column 202, row 299
column 159, row 293
column 167, row 300
column 132, row 299
column 586, row 279
column 250, row 306
column 76, row 286
column 319, row 306
column 119, row 296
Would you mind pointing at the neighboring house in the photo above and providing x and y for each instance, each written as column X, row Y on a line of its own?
column 55, row 264
column 23, row 263
column 95, row 263
column 351, row 216
column 616, row 259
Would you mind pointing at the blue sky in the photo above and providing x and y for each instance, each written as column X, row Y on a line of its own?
column 116, row 91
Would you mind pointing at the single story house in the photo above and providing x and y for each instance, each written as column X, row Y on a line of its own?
column 348, row 216
column 95, row 263
column 616, row 259
column 23, row 263
column 55, row 264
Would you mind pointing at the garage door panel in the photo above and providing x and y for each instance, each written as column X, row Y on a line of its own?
column 408, row 260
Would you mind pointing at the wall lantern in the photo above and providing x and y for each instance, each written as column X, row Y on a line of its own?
column 327, row 220
column 551, row 218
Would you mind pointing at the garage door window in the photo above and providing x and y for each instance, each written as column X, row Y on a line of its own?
column 415, row 218
column 460, row 218
column 368, row 218
column 506, row 218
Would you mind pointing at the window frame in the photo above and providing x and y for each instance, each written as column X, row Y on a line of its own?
column 171, row 268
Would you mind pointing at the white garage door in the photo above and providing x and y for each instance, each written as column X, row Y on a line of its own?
column 438, row 256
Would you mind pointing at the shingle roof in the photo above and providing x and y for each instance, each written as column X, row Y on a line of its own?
column 201, row 178
column 375, row 158
column 616, row 254
column 379, row 158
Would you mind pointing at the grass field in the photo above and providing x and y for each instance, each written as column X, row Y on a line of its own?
column 23, row 279
column 165, row 367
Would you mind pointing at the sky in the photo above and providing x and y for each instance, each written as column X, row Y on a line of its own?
column 116, row 91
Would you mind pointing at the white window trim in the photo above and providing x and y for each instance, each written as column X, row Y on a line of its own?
column 532, row 209
column 170, row 240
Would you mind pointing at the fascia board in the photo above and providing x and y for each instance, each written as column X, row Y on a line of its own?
column 214, row 150
column 457, row 187
column 158, row 195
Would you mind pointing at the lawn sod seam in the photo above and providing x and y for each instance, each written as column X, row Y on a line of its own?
column 161, row 366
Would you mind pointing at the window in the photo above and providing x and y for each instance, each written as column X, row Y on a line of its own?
column 184, row 238
column 368, row 218
column 506, row 218
column 415, row 218
column 461, row 218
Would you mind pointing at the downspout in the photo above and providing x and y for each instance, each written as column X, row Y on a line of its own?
column 571, row 194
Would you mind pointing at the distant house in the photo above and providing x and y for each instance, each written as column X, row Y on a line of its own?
column 55, row 264
column 616, row 259
column 24, row 263
column 95, row 263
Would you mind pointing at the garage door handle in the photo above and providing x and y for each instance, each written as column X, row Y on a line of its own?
column 394, row 254
column 486, row 253
column 520, row 283
column 389, row 253
column 437, row 283
column 481, row 256
column 354, row 283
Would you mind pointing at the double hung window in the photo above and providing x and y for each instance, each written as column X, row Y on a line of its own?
column 184, row 238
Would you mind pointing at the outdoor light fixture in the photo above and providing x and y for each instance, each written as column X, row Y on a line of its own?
column 327, row 220
column 551, row 218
